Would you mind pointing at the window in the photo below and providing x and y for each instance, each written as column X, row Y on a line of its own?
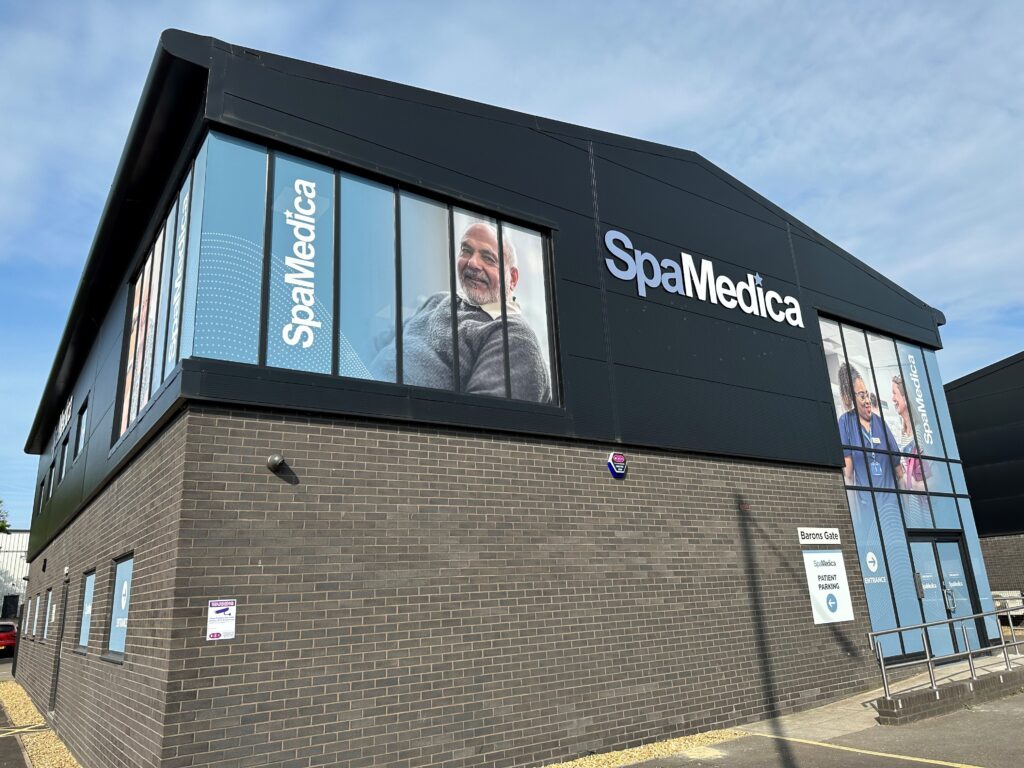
column 35, row 617
column 50, row 480
column 64, row 457
column 901, row 467
column 119, row 604
column 367, row 266
column 47, row 617
column 28, row 616
column 82, row 430
column 269, row 259
column 155, row 301
column 87, row 590
column 42, row 496
column 300, row 321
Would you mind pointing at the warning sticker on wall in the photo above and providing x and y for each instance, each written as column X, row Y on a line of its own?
column 220, row 619
column 828, row 587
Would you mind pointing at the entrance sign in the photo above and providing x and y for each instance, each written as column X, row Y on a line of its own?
column 818, row 535
column 828, row 587
column 220, row 619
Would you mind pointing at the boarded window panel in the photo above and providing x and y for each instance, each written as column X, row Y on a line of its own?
column 300, row 332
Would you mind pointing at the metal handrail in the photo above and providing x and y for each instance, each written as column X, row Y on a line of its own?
column 931, row 659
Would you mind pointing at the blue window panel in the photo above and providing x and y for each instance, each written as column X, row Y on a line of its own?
column 190, row 227
column 948, row 437
column 874, row 569
column 367, row 280
column 919, row 400
column 230, row 270
column 83, row 632
column 936, row 475
column 300, row 331
column 917, row 511
column 427, row 354
column 944, row 512
column 901, row 571
column 165, row 242
column 978, row 566
column 119, row 606
column 959, row 481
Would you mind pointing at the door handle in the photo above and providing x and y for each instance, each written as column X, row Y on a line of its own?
column 919, row 583
column 950, row 599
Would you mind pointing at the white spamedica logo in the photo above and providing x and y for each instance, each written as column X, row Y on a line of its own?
column 302, row 267
column 923, row 424
column 685, row 278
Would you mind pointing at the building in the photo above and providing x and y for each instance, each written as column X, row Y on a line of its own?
column 13, row 571
column 390, row 428
column 988, row 416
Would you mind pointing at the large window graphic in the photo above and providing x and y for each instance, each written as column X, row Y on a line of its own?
column 901, row 468
column 359, row 279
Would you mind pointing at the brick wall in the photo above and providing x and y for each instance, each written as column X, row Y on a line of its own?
column 412, row 596
column 112, row 714
column 1004, row 560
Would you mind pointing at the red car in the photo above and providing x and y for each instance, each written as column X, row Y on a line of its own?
column 8, row 637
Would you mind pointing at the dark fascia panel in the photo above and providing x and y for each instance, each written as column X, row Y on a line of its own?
column 183, row 87
column 1007, row 373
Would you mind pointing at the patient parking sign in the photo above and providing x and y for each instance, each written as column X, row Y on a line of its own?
column 828, row 587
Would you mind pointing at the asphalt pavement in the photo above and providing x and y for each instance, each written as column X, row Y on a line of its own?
column 988, row 735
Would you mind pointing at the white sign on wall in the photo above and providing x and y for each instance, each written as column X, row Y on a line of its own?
column 828, row 587
column 818, row 535
column 220, row 619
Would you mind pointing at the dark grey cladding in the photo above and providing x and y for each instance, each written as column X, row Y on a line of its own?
column 664, row 371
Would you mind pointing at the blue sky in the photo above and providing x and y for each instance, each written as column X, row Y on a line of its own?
column 894, row 130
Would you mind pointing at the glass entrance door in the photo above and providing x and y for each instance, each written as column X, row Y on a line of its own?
column 944, row 591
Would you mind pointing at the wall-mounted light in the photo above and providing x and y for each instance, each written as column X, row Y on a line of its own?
column 275, row 461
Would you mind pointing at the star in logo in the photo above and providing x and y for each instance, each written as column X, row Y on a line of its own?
column 758, row 279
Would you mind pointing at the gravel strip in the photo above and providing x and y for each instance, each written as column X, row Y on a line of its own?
column 660, row 749
column 19, row 708
column 45, row 750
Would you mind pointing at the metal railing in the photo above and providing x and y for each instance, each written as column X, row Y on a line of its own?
column 931, row 659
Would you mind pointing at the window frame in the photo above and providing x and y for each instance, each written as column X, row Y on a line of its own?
column 81, row 434
column 83, row 626
column 46, row 618
column 109, row 654
column 187, row 176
